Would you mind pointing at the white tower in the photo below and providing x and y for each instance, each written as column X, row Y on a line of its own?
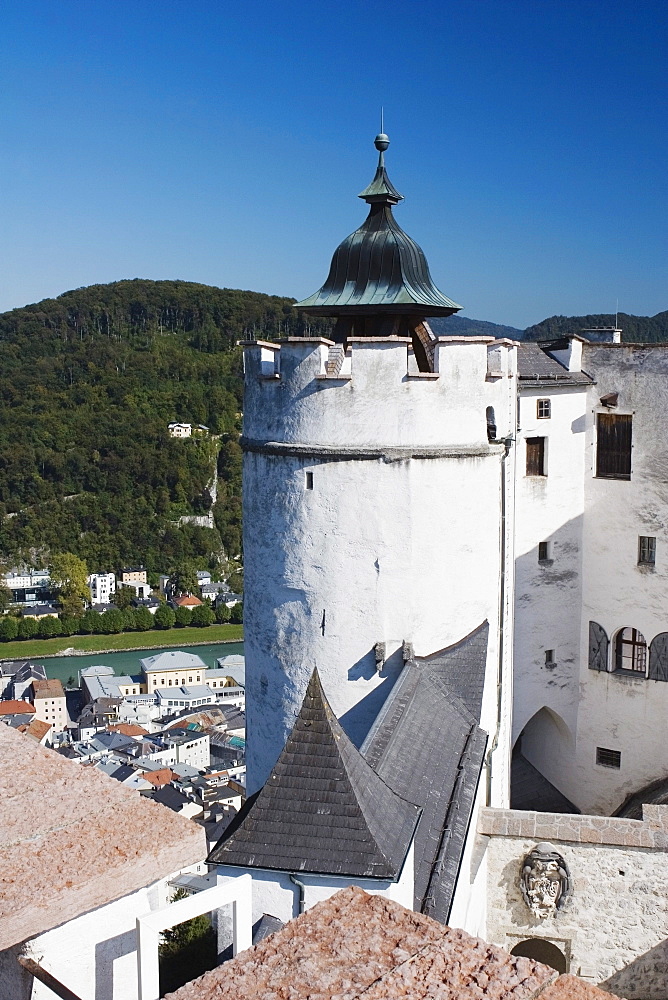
column 377, row 490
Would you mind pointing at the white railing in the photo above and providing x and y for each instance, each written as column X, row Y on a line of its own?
column 237, row 891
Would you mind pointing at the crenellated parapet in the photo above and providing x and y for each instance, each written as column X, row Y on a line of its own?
column 370, row 392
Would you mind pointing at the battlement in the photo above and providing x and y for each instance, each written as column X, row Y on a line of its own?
column 371, row 391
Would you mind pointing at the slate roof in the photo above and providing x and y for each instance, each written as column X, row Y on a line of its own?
column 323, row 809
column 427, row 745
column 534, row 364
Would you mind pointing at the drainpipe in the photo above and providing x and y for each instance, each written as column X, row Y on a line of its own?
column 301, row 887
column 508, row 441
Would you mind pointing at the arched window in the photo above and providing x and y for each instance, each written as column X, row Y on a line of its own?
column 631, row 651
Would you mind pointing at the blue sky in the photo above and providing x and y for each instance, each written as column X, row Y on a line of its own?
column 226, row 143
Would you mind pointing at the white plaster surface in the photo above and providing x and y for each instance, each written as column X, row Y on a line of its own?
column 384, row 548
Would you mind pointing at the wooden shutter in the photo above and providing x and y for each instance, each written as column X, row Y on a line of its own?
column 535, row 456
column 658, row 657
column 613, row 445
column 598, row 647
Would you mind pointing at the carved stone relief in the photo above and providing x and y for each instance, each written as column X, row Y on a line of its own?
column 545, row 880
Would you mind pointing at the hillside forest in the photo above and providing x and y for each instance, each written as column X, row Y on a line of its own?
column 89, row 382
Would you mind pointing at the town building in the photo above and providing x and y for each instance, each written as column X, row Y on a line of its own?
column 172, row 669
column 132, row 574
column 102, row 586
column 177, row 430
column 50, row 703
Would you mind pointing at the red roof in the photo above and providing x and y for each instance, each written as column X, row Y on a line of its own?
column 128, row 729
column 187, row 602
column 162, row 776
column 16, row 708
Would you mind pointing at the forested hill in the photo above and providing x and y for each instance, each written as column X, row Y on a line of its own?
column 635, row 329
column 88, row 384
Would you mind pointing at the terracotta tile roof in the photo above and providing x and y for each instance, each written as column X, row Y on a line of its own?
column 108, row 841
column 355, row 945
column 38, row 729
column 187, row 602
column 50, row 688
column 128, row 729
column 158, row 778
column 13, row 707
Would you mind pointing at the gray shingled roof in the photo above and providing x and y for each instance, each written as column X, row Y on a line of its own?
column 534, row 364
column 323, row 809
column 427, row 745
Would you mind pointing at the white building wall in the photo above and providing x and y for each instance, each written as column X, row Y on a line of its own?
column 548, row 594
column 398, row 539
column 617, row 711
column 276, row 894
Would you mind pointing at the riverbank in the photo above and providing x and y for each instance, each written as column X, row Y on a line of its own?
column 82, row 645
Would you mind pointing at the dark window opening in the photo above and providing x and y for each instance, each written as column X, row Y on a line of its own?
column 613, row 445
column 608, row 758
column 491, row 423
column 549, row 658
column 535, row 456
column 309, row 480
column 543, row 408
column 630, row 651
column 646, row 550
column 543, row 551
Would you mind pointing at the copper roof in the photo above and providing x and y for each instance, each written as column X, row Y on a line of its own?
column 379, row 269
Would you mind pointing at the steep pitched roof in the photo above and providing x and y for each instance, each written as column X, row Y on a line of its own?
column 534, row 364
column 427, row 744
column 323, row 808
column 13, row 707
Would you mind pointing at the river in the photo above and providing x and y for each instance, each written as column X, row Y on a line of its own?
column 127, row 661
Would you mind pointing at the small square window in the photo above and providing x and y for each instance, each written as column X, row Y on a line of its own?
column 549, row 658
column 543, row 408
column 309, row 480
column 543, row 551
column 608, row 758
column 646, row 550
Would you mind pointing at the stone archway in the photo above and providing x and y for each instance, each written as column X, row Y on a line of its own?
column 542, row 950
column 538, row 754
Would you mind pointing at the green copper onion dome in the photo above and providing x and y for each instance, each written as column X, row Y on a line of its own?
column 379, row 269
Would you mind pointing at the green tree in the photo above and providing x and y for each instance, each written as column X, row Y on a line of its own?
column 237, row 614
column 123, row 597
column 9, row 628
column 202, row 616
column 27, row 628
column 183, row 617
column 5, row 597
column 113, row 621
column 183, row 579
column 69, row 625
column 91, row 622
column 129, row 623
column 186, row 950
column 69, row 577
column 164, row 617
column 48, row 627
column 143, row 619
column 222, row 614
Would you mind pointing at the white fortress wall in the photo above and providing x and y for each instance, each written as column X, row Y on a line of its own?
column 371, row 516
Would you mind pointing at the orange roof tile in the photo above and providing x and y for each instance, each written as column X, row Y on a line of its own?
column 50, row 688
column 158, row 778
column 187, row 602
column 16, row 708
column 38, row 729
column 128, row 729
column 354, row 945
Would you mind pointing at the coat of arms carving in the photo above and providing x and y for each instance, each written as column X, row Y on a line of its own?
column 545, row 880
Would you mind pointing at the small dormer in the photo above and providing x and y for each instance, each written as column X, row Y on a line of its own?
column 568, row 352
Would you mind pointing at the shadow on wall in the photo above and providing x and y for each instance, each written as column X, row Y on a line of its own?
column 542, row 950
column 357, row 721
column 645, row 978
column 106, row 953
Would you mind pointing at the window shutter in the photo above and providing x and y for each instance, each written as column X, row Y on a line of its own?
column 613, row 445
column 535, row 456
column 598, row 647
column 658, row 657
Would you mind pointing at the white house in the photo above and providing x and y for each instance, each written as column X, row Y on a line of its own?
column 177, row 430
column 102, row 586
